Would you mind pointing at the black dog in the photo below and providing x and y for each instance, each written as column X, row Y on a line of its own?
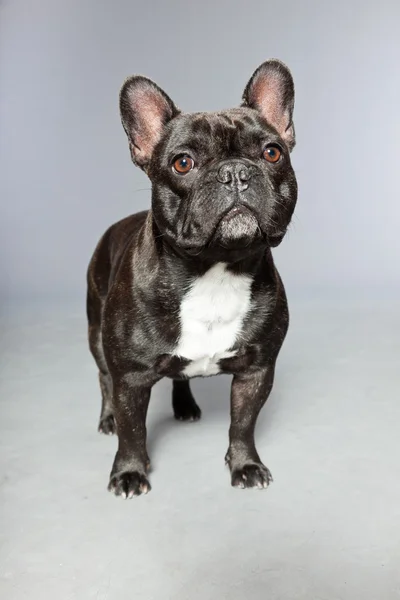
column 189, row 288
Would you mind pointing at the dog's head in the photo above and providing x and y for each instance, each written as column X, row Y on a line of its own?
column 223, row 183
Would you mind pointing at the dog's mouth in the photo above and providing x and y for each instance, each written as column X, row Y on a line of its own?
column 238, row 211
column 243, row 217
column 238, row 227
column 234, row 213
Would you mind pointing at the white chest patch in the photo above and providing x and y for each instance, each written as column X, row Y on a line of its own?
column 211, row 317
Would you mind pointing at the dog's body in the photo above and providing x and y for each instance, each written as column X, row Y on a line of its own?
column 189, row 288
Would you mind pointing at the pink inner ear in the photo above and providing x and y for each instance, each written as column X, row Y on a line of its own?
column 150, row 109
column 267, row 95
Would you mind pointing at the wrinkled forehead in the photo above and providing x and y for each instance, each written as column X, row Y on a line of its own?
column 220, row 132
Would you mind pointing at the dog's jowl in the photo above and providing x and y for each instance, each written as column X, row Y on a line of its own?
column 189, row 288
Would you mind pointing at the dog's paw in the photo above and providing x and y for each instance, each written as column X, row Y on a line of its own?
column 187, row 412
column 252, row 475
column 107, row 425
column 129, row 484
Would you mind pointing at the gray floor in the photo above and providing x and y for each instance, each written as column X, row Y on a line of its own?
column 327, row 529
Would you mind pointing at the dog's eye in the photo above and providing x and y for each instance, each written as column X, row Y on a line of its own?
column 272, row 153
column 183, row 164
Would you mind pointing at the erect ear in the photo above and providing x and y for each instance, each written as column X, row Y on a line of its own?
column 271, row 92
column 145, row 110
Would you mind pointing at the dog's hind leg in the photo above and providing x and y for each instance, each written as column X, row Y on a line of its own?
column 107, row 422
column 183, row 402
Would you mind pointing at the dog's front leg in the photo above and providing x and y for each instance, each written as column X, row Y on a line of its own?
column 249, row 393
column 129, row 473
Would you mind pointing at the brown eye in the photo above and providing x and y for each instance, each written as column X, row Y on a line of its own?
column 183, row 165
column 272, row 154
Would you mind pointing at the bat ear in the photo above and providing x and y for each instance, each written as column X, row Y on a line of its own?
column 145, row 110
column 270, row 91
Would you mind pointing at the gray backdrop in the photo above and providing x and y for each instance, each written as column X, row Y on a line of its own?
column 65, row 166
column 329, row 526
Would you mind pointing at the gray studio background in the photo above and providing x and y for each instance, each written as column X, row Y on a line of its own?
column 329, row 526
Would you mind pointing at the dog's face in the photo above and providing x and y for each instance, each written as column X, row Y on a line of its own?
column 223, row 184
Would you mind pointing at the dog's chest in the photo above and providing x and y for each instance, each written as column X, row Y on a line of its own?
column 211, row 319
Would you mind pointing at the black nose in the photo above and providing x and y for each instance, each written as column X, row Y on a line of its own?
column 234, row 174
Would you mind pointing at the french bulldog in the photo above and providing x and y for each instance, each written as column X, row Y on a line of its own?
column 189, row 288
